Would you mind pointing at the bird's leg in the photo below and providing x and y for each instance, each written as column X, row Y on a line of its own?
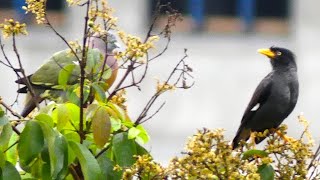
column 286, row 138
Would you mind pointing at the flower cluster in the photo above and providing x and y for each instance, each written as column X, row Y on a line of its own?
column 136, row 49
column 37, row 7
column 208, row 156
column 120, row 99
column 75, row 45
column 73, row 2
column 291, row 155
column 11, row 27
column 105, row 13
column 144, row 167
column 164, row 86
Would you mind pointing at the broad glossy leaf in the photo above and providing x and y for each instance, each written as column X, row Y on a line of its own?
column 254, row 153
column 31, row 143
column 72, row 136
column 133, row 132
column 143, row 136
column 2, row 159
column 94, row 61
column 48, row 109
column 65, row 74
column 35, row 169
column 141, row 150
column 11, row 153
column 107, row 73
column 58, row 152
column 45, row 118
column 89, row 165
column 121, row 114
column 9, row 172
column 46, row 171
column 101, row 127
column 124, row 149
column 4, row 120
column 60, row 161
column 5, row 136
column 107, row 166
column 115, row 124
column 65, row 114
column 2, row 113
column 266, row 172
column 99, row 92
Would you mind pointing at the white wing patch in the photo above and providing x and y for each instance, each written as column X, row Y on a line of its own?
column 256, row 107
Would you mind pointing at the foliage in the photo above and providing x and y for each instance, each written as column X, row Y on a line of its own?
column 89, row 135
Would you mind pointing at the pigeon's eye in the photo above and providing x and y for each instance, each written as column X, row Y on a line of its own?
column 278, row 53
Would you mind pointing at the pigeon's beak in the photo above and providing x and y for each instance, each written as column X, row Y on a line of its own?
column 267, row 52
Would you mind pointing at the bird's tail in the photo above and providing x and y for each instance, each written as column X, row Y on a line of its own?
column 242, row 134
column 30, row 104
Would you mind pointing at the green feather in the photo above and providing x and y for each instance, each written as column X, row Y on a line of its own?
column 48, row 73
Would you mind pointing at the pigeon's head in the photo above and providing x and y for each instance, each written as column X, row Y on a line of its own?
column 103, row 41
column 280, row 57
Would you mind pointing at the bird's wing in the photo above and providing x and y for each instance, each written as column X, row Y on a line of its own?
column 259, row 97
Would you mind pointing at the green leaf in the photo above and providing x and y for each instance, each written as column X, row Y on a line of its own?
column 254, row 153
column 107, row 166
column 141, row 150
column 72, row 136
column 3, row 120
column 115, row 124
column 2, row 159
column 30, row 144
column 65, row 115
column 62, row 116
column 94, row 61
column 45, row 118
column 36, row 167
column 2, row 113
column 124, row 149
column 58, row 151
column 120, row 113
column 11, row 153
column 99, row 92
column 46, row 171
column 60, row 159
column 5, row 136
column 107, row 73
column 143, row 136
column 133, row 132
column 65, row 74
column 89, row 165
column 266, row 172
column 9, row 172
column 101, row 127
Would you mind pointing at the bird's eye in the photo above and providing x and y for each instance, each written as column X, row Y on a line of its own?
column 278, row 53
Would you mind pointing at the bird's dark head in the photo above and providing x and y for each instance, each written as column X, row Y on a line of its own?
column 280, row 57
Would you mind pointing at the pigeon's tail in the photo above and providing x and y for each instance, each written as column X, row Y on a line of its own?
column 242, row 134
column 30, row 104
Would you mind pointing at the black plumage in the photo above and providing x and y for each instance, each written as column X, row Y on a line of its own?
column 274, row 98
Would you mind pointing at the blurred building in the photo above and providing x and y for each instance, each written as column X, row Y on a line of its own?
column 224, row 16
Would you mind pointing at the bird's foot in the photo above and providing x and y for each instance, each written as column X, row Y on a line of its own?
column 287, row 139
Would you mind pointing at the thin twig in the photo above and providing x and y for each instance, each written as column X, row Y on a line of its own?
column 156, row 112
column 27, row 81
column 83, row 64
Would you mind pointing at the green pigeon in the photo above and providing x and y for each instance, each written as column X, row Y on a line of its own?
column 62, row 69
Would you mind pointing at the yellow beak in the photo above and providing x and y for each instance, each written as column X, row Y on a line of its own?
column 267, row 52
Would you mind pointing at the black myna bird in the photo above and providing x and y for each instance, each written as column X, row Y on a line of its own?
column 274, row 98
